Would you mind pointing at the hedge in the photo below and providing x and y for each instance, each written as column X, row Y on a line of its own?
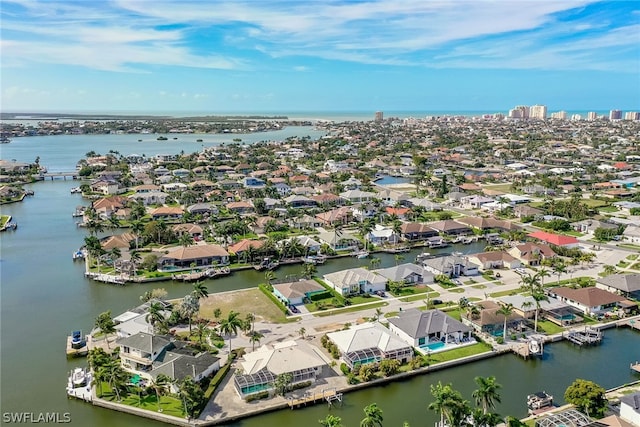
column 320, row 296
column 273, row 298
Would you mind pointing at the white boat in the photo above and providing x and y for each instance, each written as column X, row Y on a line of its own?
column 75, row 190
column 538, row 401
column 79, row 254
column 535, row 347
column 79, row 377
column 361, row 254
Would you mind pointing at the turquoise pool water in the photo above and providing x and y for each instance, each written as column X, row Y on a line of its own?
column 434, row 345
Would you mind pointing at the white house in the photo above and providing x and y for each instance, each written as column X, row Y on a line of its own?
column 428, row 330
column 630, row 408
column 355, row 281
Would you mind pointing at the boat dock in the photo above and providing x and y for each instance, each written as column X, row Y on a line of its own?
column 329, row 396
column 106, row 278
column 635, row 367
column 79, row 385
column 588, row 336
column 76, row 352
column 197, row 275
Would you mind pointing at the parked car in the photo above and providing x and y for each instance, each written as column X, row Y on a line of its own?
column 436, row 301
column 294, row 309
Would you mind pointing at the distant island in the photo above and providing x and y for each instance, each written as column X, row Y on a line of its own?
column 66, row 116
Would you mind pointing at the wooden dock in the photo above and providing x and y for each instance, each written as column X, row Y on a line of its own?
column 588, row 336
column 328, row 396
column 635, row 367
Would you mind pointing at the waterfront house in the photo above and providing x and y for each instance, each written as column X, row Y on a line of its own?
column 258, row 370
column 415, row 231
column 488, row 223
column 531, row 253
column 338, row 240
column 241, row 247
column 391, row 197
column 408, row 273
column 429, row 330
column 355, row 281
column 451, row 266
column 310, row 244
column 357, row 196
column 182, row 258
column 495, row 259
column 293, row 293
column 627, row 285
column 122, row 241
column 370, row 343
column 450, row 227
column 149, row 355
column 490, row 322
column 107, row 206
column 106, row 187
column 382, row 235
column 591, row 301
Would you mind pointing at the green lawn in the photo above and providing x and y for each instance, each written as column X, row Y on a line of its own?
column 593, row 203
column 350, row 309
column 573, row 233
column 608, row 209
column 549, row 327
column 632, row 257
column 456, row 290
column 479, row 286
column 170, row 405
column 411, row 290
column 420, row 297
column 503, row 293
column 3, row 220
column 458, row 353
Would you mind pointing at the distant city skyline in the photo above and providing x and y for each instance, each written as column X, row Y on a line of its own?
column 288, row 56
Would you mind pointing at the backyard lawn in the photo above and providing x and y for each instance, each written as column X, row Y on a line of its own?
column 244, row 302
column 459, row 353
column 170, row 405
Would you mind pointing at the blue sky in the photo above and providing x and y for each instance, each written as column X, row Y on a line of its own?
column 287, row 56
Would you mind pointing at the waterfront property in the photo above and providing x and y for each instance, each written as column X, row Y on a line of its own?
column 370, row 343
column 627, row 285
column 431, row 330
column 259, row 369
column 451, row 266
column 591, row 301
column 355, row 281
column 199, row 255
column 134, row 321
column 293, row 293
column 490, row 321
column 408, row 273
column 149, row 355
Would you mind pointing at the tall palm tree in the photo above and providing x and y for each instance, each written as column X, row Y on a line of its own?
column 254, row 338
column 269, row 276
column 230, row 325
column 116, row 376
column 201, row 330
column 486, row 395
column 449, row 403
column 155, row 315
column 373, row 416
column 538, row 296
column 158, row 384
column 185, row 240
column 135, row 261
column 137, row 227
column 375, row 262
column 506, row 311
column 190, row 306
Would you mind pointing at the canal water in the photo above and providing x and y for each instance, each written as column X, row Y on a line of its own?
column 44, row 296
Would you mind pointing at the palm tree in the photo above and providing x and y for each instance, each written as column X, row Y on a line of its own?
column 302, row 331
column 251, row 318
column 116, row 376
column 559, row 268
column 135, row 261
column 375, row 262
column 201, row 330
column 541, row 274
column 155, row 315
column 486, row 395
column 331, row 421
column 254, row 338
column 114, row 221
column 609, row 269
column 158, row 384
column 269, row 276
column 506, row 311
column 200, row 290
column 190, row 306
column 538, row 296
column 449, row 403
column 308, row 270
column 373, row 416
column 104, row 322
column 398, row 258
column 230, row 325
column 137, row 227
column 185, row 240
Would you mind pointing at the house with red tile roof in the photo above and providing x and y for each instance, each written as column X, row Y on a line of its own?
column 555, row 239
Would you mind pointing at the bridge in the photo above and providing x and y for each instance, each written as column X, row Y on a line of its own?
column 63, row 175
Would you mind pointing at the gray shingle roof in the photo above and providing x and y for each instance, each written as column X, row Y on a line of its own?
column 419, row 324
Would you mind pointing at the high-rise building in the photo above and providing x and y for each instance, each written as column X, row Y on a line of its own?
column 538, row 112
column 515, row 113
column 576, row 117
column 592, row 115
column 632, row 115
column 524, row 111
column 560, row 115
column 615, row 115
column 379, row 116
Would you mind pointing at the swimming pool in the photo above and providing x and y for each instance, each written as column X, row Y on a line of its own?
column 434, row 345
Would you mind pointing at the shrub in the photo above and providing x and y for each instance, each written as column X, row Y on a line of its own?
column 257, row 396
column 345, row 369
column 500, row 340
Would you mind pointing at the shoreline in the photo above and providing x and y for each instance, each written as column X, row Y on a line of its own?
column 281, row 404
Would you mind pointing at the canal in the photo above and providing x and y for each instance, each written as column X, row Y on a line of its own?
column 43, row 296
